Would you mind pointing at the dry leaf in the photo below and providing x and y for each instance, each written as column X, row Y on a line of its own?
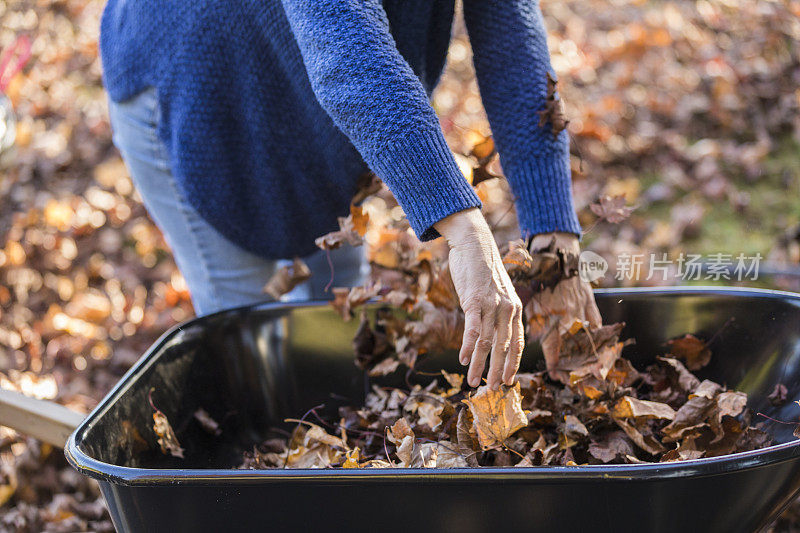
column 166, row 436
column 287, row 278
column 207, row 423
column 553, row 113
column 629, row 407
column 497, row 414
column 611, row 208
column 692, row 350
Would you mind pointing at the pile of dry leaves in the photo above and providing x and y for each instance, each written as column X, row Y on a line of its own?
column 601, row 411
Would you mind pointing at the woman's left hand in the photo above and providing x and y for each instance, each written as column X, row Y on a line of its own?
column 559, row 307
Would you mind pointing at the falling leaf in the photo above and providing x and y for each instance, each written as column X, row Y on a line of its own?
column 346, row 300
column 346, row 234
column 368, row 184
column 359, row 219
column 611, row 208
column 287, row 278
column 370, row 345
column 384, row 368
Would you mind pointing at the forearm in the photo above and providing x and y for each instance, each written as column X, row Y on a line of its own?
column 512, row 62
column 373, row 96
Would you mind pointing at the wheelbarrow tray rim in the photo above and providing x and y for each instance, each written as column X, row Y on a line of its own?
column 123, row 475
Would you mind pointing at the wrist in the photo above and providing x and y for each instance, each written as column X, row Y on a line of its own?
column 565, row 241
column 463, row 227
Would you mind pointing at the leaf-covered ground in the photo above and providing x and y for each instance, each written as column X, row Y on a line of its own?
column 689, row 109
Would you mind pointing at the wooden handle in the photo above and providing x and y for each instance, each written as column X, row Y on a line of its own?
column 46, row 421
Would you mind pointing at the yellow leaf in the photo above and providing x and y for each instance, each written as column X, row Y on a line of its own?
column 497, row 414
column 352, row 458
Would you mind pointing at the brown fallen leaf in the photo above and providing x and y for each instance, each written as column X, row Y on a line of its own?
column 692, row 413
column 346, row 300
column 206, row 422
column 497, row 414
column 346, row 234
column 692, row 350
column 629, row 407
column 468, row 444
column 370, row 345
column 731, row 403
column 779, row 395
column 553, row 113
column 644, row 441
column 456, row 382
column 611, row 208
column 399, row 431
column 287, row 278
column 610, row 447
column 167, row 439
column 687, row 381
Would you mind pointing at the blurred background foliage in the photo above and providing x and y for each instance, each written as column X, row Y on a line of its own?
column 690, row 109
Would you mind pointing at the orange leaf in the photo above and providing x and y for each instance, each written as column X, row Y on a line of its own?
column 497, row 414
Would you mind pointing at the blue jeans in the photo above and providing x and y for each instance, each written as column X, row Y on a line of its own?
column 219, row 273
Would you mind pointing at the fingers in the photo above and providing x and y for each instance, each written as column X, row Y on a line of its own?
column 472, row 332
column 503, row 324
column 551, row 344
column 482, row 347
column 515, row 348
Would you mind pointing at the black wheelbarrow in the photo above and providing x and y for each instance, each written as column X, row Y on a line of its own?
column 251, row 368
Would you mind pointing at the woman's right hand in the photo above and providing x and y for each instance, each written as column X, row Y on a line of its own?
column 492, row 309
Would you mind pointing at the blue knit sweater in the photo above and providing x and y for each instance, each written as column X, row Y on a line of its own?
column 271, row 109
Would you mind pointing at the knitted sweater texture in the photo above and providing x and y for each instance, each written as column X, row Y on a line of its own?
column 271, row 109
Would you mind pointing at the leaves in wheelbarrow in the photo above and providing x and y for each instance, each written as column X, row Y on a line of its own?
column 166, row 435
column 208, row 424
column 603, row 412
column 497, row 414
column 692, row 350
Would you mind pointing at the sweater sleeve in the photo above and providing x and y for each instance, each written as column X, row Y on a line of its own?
column 373, row 96
column 511, row 58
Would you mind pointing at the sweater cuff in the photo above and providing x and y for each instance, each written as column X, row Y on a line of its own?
column 420, row 171
column 543, row 190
